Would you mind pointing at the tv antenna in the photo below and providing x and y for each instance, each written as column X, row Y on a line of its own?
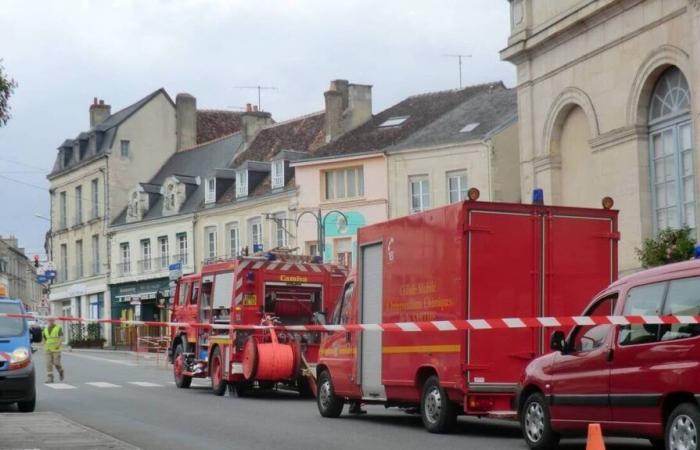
column 259, row 89
column 459, row 60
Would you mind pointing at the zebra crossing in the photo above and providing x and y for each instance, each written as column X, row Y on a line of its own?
column 103, row 385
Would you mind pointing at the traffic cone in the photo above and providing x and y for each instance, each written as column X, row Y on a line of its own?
column 595, row 437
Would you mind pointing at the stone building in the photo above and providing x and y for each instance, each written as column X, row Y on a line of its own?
column 91, row 181
column 17, row 274
column 422, row 152
column 608, row 99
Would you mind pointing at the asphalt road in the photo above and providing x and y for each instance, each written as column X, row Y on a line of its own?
column 135, row 401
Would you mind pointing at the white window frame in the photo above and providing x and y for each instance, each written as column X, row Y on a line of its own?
column 279, row 232
column 241, row 183
column 422, row 182
column 78, row 205
column 343, row 184
column 95, row 197
column 210, row 241
column 182, row 246
column 255, row 235
column 277, row 174
column 146, row 254
column 163, row 251
column 96, row 254
column 234, row 239
column 210, row 191
column 124, row 148
column 125, row 255
column 461, row 191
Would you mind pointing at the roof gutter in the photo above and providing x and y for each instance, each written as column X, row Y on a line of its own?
column 334, row 158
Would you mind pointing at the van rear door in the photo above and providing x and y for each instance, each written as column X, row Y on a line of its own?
column 503, row 282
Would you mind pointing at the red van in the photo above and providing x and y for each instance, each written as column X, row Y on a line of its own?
column 635, row 380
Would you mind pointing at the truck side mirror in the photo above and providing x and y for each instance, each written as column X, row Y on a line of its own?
column 557, row 342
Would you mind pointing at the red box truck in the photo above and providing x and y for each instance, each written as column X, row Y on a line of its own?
column 471, row 260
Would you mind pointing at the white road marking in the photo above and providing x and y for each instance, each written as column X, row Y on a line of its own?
column 97, row 358
column 103, row 384
column 60, row 386
column 145, row 384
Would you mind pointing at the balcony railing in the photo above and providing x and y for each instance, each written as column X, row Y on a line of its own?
column 150, row 265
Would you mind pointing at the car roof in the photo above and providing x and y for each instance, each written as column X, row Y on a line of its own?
column 667, row 271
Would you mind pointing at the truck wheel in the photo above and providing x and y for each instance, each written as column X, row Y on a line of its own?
column 682, row 428
column 28, row 405
column 182, row 381
column 329, row 405
column 536, row 424
column 439, row 414
column 216, row 372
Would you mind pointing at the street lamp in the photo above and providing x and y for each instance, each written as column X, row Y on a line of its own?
column 39, row 216
column 321, row 226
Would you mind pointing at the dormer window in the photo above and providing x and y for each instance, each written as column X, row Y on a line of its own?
column 242, row 183
column 277, row 174
column 170, row 197
column 210, row 192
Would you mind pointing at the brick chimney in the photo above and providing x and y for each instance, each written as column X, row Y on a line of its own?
column 99, row 112
column 186, row 121
column 252, row 121
column 347, row 107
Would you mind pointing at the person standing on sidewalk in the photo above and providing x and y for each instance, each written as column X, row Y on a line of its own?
column 53, row 339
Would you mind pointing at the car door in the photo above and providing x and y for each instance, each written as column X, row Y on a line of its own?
column 580, row 375
column 338, row 352
column 640, row 360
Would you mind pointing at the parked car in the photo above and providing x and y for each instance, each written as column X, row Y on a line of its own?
column 16, row 365
column 639, row 380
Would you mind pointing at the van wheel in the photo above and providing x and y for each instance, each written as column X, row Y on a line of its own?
column 329, row 405
column 27, row 406
column 536, row 424
column 216, row 372
column 182, row 381
column 682, row 428
column 439, row 414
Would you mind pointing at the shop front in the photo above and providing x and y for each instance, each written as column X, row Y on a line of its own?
column 141, row 300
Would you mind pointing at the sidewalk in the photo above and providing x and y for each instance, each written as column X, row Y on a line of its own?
column 51, row 431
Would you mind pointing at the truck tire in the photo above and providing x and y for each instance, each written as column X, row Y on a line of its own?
column 182, row 381
column 439, row 414
column 216, row 372
column 682, row 427
column 536, row 424
column 28, row 405
column 329, row 405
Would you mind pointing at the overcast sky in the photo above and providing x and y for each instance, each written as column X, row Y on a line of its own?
column 64, row 53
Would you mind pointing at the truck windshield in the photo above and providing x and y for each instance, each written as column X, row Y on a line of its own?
column 10, row 326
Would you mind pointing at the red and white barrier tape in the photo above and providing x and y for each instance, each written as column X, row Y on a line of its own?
column 440, row 325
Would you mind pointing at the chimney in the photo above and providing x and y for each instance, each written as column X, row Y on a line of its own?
column 252, row 121
column 347, row 107
column 186, row 120
column 98, row 112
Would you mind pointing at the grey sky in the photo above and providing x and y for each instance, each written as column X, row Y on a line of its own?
column 64, row 53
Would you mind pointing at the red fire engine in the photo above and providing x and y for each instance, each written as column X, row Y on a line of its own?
column 251, row 291
column 472, row 260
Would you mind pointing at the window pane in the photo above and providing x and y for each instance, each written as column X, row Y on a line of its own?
column 673, row 219
column 330, row 193
column 352, row 183
column 425, row 191
column 686, row 141
column 690, row 215
column 683, row 300
column 642, row 301
column 689, row 189
column 340, row 184
column 360, row 181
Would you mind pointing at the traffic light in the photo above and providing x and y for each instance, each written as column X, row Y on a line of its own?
column 36, row 261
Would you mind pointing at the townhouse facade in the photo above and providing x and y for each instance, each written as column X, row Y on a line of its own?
column 90, row 184
column 425, row 151
column 18, row 274
column 608, row 98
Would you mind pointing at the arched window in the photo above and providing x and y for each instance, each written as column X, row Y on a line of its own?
column 671, row 152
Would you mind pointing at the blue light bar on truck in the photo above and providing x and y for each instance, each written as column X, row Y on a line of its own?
column 697, row 251
column 538, row 197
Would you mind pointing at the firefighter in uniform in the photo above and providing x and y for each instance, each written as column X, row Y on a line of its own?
column 53, row 337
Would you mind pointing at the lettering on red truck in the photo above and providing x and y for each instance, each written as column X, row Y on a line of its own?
column 291, row 279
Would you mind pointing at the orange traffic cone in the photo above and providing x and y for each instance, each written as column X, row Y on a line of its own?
column 595, row 437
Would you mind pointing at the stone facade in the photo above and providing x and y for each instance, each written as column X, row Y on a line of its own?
column 586, row 74
column 18, row 275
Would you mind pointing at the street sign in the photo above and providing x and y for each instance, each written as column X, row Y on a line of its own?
column 42, row 279
column 50, row 274
column 175, row 270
